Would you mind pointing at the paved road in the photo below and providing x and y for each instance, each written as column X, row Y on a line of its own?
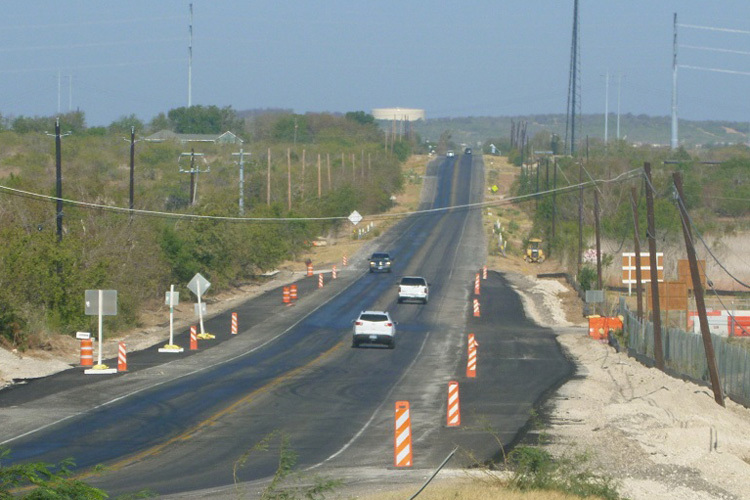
column 182, row 425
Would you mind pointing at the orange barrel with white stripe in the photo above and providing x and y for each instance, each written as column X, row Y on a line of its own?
column 484, row 272
column 122, row 358
column 309, row 269
column 193, row 338
column 320, row 280
column 476, row 308
column 293, row 292
column 285, row 297
column 87, row 352
column 235, row 323
column 476, row 284
column 471, row 364
column 454, row 409
column 333, row 273
column 402, row 435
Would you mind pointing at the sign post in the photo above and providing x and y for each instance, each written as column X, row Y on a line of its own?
column 198, row 285
column 100, row 303
column 172, row 299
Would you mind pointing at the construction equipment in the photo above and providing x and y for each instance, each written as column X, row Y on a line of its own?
column 534, row 252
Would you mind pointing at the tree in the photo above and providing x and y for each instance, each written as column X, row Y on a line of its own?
column 360, row 117
column 204, row 120
column 123, row 124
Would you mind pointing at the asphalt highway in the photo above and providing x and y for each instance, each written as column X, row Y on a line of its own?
column 195, row 420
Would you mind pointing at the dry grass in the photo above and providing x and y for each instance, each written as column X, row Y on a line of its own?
column 468, row 489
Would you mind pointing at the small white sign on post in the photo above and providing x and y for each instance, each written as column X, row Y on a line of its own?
column 198, row 285
column 100, row 303
column 355, row 218
column 83, row 335
column 171, row 299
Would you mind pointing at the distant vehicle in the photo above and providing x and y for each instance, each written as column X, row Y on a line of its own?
column 450, row 153
column 467, row 151
column 413, row 288
column 374, row 327
column 380, row 262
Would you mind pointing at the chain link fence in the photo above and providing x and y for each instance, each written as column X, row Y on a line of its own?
column 684, row 354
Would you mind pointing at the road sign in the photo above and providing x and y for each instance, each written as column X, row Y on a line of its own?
column 198, row 285
column 200, row 309
column 172, row 298
column 108, row 306
column 594, row 296
column 355, row 218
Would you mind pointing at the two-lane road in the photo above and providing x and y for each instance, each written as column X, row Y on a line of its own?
column 185, row 424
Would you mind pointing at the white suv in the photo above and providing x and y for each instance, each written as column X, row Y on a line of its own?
column 374, row 327
column 413, row 288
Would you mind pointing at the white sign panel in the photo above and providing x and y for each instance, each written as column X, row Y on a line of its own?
column 109, row 302
column 200, row 309
column 172, row 298
column 355, row 218
column 83, row 335
column 198, row 285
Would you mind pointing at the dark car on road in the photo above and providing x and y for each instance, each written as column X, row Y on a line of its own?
column 380, row 262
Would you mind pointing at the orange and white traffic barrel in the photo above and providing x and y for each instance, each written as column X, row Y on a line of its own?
column 333, row 273
column 235, row 323
column 87, row 352
column 476, row 284
column 454, row 409
column 193, row 338
column 320, row 280
column 309, row 269
column 476, row 308
column 471, row 363
column 285, row 297
column 122, row 358
column 402, row 435
column 293, row 292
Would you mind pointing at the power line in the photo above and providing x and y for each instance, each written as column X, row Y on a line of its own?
column 714, row 28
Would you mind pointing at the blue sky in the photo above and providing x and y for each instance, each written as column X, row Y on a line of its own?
column 469, row 58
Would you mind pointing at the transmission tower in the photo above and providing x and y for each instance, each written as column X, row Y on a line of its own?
column 573, row 113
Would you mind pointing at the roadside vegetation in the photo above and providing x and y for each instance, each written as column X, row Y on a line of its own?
column 139, row 255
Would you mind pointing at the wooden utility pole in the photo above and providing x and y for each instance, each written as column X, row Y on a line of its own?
column 132, row 167
column 268, row 179
column 580, row 216
column 302, row 188
column 319, row 185
column 698, row 294
column 637, row 248
column 369, row 166
column 651, row 234
column 328, row 165
column 192, row 176
column 598, row 241
column 289, row 178
column 58, row 183
column 354, row 168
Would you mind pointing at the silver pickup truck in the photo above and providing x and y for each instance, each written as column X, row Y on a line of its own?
column 413, row 288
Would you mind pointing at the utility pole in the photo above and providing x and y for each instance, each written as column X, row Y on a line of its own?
column 328, row 165
column 606, row 107
column 598, row 241
column 268, row 180
column 319, row 184
column 302, row 187
column 194, row 170
column 554, row 199
column 190, row 60
column 637, row 248
column 289, row 178
column 580, row 216
column 241, row 163
column 58, row 178
column 132, row 168
column 619, row 85
column 675, row 142
column 651, row 234
column 700, row 304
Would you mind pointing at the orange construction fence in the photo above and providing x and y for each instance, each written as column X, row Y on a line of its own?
column 600, row 326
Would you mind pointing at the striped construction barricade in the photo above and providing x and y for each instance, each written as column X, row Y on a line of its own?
column 402, row 453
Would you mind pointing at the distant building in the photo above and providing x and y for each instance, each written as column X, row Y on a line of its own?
column 167, row 135
column 398, row 114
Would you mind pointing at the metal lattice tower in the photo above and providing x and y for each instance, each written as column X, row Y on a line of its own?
column 573, row 113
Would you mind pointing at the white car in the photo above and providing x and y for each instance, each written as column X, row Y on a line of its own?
column 450, row 153
column 374, row 327
column 413, row 288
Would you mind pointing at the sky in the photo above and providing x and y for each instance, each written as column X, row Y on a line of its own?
column 111, row 59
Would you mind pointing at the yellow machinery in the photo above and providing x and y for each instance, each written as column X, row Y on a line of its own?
column 534, row 252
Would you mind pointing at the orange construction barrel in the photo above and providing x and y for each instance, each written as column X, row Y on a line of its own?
column 87, row 352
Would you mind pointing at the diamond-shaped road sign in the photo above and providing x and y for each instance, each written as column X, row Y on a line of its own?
column 198, row 285
column 355, row 218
